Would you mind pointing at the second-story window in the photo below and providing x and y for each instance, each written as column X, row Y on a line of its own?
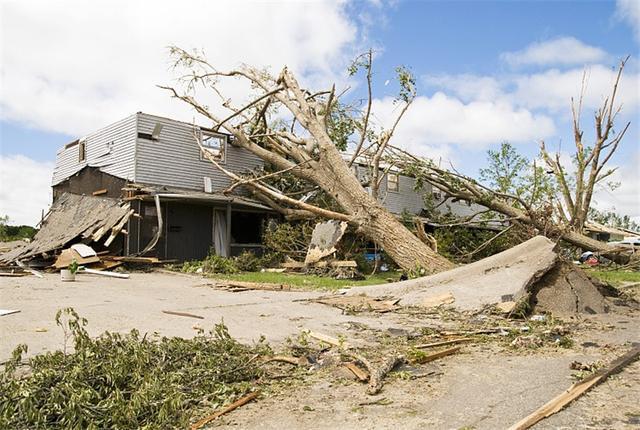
column 82, row 151
column 213, row 145
column 392, row 182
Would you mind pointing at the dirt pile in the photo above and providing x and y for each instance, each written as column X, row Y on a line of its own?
column 566, row 290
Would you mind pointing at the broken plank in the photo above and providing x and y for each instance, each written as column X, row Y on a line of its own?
column 443, row 343
column 183, row 314
column 360, row 374
column 29, row 269
column 240, row 402
column 328, row 339
column 4, row 312
column 100, row 192
column 437, row 355
column 577, row 390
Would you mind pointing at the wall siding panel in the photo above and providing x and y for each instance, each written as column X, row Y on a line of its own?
column 111, row 148
column 174, row 159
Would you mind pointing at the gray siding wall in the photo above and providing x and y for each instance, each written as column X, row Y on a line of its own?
column 174, row 159
column 406, row 198
column 111, row 149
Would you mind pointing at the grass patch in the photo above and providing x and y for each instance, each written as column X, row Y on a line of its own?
column 307, row 281
column 614, row 277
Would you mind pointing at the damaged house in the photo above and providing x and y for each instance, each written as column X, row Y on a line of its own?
column 151, row 166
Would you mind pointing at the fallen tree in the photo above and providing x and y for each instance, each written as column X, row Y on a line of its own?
column 564, row 216
column 308, row 146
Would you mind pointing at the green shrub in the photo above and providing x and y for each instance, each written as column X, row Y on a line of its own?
column 125, row 380
column 211, row 264
column 247, row 262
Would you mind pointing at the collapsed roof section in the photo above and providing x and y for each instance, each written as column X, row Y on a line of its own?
column 74, row 218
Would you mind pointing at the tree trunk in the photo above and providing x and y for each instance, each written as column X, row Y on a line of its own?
column 372, row 219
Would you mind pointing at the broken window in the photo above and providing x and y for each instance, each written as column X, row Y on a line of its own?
column 392, row 182
column 213, row 145
column 82, row 156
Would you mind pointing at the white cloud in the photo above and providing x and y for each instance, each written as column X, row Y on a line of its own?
column 625, row 200
column 25, row 189
column 629, row 10
column 549, row 90
column 74, row 66
column 441, row 120
column 559, row 51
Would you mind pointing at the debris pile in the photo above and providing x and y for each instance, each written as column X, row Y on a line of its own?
column 75, row 227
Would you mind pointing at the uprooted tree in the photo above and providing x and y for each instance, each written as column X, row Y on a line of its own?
column 564, row 215
column 306, row 141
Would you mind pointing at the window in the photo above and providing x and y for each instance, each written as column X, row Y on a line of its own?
column 392, row 182
column 214, row 145
column 82, row 156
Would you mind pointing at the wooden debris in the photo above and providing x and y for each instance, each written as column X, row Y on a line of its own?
column 443, row 343
column 239, row 286
column 329, row 340
column 240, row 402
column 296, row 361
column 68, row 255
column 100, row 192
column 439, row 300
column 382, row 401
column 29, row 269
column 141, row 260
column 437, row 355
column 576, row 390
column 360, row 374
column 183, row 314
column 377, row 376
column 361, row 303
column 72, row 218
column 4, row 312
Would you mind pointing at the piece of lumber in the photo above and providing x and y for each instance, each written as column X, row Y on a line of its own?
column 293, row 265
column 377, row 376
column 437, row 355
column 103, row 273
column 328, row 339
column 4, row 312
column 360, row 374
column 29, row 269
column 443, row 343
column 183, row 314
column 296, row 361
column 67, row 256
column 143, row 260
column 343, row 263
column 577, row 390
column 240, row 402
column 100, row 192
column 238, row 286
column 116, row 229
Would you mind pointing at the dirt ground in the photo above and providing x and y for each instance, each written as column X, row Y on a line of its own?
column 486, row 386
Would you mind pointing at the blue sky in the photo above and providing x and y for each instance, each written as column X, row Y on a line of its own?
column 486, row 72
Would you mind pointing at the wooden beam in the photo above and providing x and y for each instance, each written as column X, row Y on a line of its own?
column 577, row 390
column 100, row 192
